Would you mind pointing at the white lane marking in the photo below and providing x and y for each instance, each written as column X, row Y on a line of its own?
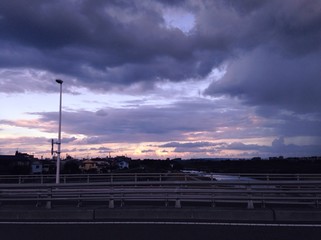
column 169, row 223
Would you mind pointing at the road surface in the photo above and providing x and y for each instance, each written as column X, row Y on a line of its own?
column 156, row 231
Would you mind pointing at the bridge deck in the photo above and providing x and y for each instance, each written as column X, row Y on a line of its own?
column 164, row 196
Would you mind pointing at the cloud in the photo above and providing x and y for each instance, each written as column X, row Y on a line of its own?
column 279, row 68
column 198, row 119
column 270, row 50
column 192, row 147
column 278, row 147
column 10, row 145
column 187, row 145
column 105, row 44
column 68, row 140
column 148, row 151
column 148, row 123
column 108, row 45
column 96, row 42
column 269, row 80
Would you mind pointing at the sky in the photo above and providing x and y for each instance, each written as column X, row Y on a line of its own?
column 161, row 79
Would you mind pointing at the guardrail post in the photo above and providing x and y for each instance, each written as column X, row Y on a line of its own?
column 38, row 200
column 166, row 200
column 49, row 196
column 178, row 203
column 122, row 201
column 111, row 203
column 250, row 204
column 213, row 201
column 79, row 204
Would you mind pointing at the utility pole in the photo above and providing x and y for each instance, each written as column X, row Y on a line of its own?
column 59, row 135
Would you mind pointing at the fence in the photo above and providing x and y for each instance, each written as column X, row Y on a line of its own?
column 92, row 178
column 135, row 177
column 174, row 190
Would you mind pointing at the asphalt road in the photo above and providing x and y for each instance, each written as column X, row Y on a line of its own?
column 164, row 231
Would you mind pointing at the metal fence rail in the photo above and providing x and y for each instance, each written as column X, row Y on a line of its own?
column 92, row 178
column 250, row 194
column 136, row 177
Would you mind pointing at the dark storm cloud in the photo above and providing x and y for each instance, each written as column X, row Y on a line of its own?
column 104, row 44
column 267, row 79
column 114, row 42
column 97, row 42
column 282, row 69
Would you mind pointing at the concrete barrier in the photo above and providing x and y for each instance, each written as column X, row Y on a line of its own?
column 46, row 215
column 294, row 215
column 162, row 214
column 245, row 215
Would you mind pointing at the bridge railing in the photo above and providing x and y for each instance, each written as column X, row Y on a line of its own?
column 136, row 177
column 257, row 176
column 250, row 194
column 91, row 178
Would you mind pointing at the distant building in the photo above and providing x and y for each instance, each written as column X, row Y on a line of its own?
column 123, row 165
column 88, row 166
column 36, row 167
column 20, row 163
column 48, row 166
column 122, row 162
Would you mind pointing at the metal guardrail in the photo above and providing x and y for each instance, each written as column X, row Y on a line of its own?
column 257, row 176
column 92, row 178
column 250, row 194
column 136, row 177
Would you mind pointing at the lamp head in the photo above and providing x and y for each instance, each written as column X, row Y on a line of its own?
column 59, row 81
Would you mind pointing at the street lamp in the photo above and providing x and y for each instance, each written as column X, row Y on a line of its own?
column 59, row 135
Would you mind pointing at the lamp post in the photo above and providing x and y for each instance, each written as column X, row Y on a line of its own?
column 59, row 135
